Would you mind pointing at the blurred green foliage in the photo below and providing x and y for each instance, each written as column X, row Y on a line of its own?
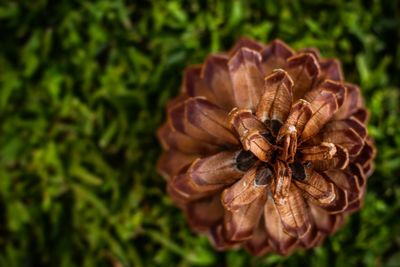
column 83, row 86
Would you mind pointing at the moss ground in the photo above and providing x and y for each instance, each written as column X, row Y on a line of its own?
column 82, row 90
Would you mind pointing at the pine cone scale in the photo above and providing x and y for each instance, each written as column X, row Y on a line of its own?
column 266, row 148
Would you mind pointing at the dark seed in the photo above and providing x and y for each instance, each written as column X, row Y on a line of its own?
column 276, row 126
column 263, row 175
column 298, row 171
column 270, row 138
column 245, row 160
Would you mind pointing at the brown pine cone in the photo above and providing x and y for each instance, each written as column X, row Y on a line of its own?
column 266, row 148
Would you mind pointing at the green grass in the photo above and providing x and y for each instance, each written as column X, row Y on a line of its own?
column 83, row 85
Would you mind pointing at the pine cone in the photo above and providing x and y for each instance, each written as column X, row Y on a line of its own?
column 266, row 148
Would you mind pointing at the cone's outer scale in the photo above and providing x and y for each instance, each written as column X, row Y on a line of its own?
column 266, row 148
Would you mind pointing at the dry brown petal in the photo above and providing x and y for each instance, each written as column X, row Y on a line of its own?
column 316, row 187
column 311, row 238
column 252, row 132
column 321, row 152
column 171, row 162
column 347, row 138
column 279, row 240
column 323, row 106
column 323, row 192
column 276, row 101
column 176, row 100
column 340, row 160
column 204, row 213
column 174, row 140
column 248, row 43
column 275, row 56
column 283, row 176
column 369, row 168
column 352, row 103
column 218, row 239
column 259, row 145
column 198, row 118
column 304, row 70
column 194, row 85
column 355, row 204
column 367, row 154
column 177, row 198
column 345, row 180
column 178, row 120
column 247, row 77
column 349, row 123
column 208, row 175
column 299, row 115
column 253, row 185
column 216, row 76
column 361, row 114
column 311, row 50
column 243, row 121
column 239, row 224
column 358, row 172
column 289, row 145
column 331, row 69
column 336, row 88
column 324, row 221
column 348, row 182
column 206, row 116
column 293, row 212
column 289, row 133
column 258, row 245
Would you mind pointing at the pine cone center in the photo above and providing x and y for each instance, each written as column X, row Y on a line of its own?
column 273, row 148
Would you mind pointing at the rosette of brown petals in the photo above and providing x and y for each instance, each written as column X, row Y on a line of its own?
column 266, row 148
